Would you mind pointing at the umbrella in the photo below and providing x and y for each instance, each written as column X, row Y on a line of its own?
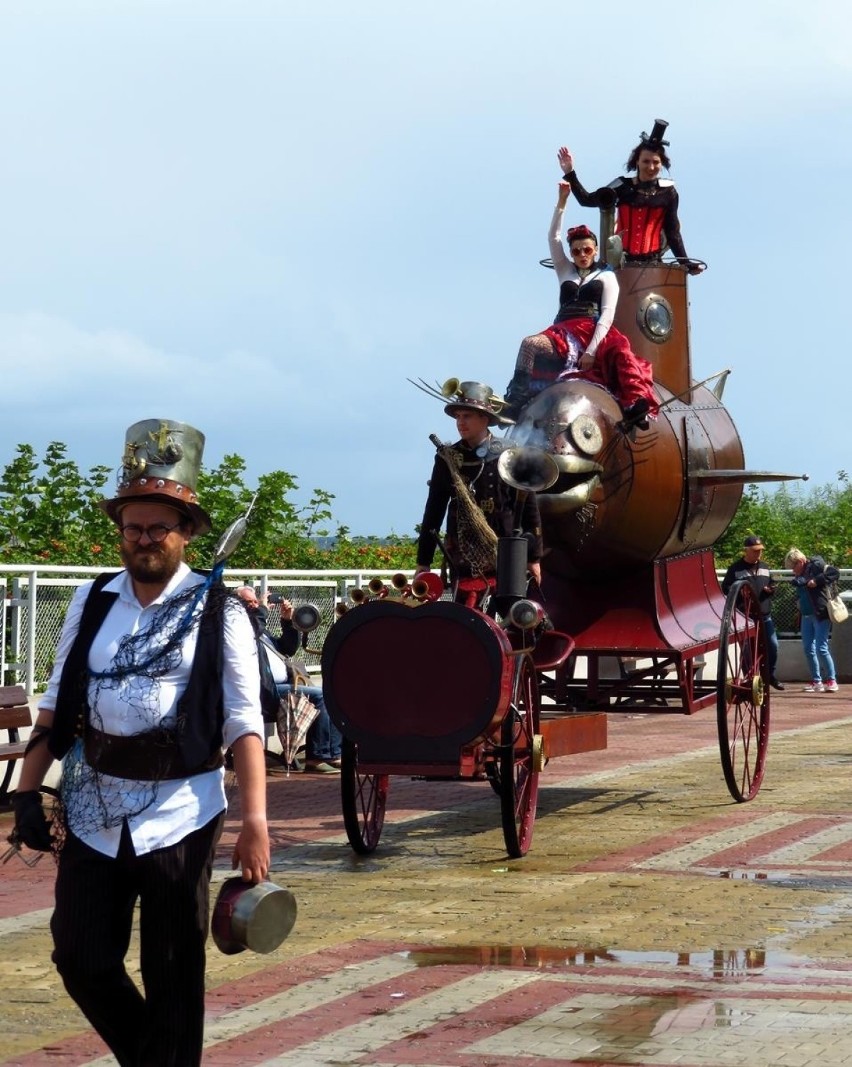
column 296, row 712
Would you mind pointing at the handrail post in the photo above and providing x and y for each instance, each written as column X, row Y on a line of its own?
column 31, row 633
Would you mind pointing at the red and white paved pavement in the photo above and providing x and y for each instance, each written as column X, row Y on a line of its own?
column 653, row 922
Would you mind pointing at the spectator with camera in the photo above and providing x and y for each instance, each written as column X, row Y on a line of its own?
column 323, row 742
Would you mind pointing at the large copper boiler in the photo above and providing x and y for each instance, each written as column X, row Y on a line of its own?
column 629, row 524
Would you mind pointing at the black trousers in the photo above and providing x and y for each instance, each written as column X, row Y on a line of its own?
column 91, row 927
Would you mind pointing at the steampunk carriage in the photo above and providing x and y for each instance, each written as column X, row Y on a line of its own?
column 629, row 592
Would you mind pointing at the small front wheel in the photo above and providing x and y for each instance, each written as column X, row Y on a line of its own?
column 363, row 800
column 520, row 760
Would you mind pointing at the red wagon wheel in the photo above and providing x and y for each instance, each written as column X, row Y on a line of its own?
column 520, row 760
column 363, row 800
column 742, row 695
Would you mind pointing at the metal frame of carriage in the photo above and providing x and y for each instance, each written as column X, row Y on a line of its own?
column 498, row 729
column 658, row 623
column 478, row 716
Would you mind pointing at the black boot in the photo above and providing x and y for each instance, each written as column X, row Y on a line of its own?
column 636, row 414
column 517, row 394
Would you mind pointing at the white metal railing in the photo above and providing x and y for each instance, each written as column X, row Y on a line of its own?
column 35, row 598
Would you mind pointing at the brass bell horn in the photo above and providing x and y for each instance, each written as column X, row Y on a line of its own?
column 427, row 586
column 528, row 469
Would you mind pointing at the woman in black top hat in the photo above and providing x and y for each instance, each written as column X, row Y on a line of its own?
column 646, row 204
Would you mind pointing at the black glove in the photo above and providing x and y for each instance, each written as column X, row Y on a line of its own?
column 31, row 825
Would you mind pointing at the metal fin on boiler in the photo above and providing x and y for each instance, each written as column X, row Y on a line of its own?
column 734, row 477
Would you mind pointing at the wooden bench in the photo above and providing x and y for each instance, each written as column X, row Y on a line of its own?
column 14, row 713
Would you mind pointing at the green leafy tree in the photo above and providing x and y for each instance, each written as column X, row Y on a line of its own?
column 816, row 521
column 53, row 516
column 49, row 512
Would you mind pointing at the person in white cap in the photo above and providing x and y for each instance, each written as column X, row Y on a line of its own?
column 156, row 673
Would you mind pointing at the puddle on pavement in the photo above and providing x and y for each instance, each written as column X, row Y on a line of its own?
column 721, row 963
column 829, row 883
column 650, row 1014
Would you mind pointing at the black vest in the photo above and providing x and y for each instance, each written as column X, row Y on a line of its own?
column 200, row 710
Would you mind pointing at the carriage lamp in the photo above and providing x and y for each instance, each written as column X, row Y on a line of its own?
column 306, row 617
column 525, row 614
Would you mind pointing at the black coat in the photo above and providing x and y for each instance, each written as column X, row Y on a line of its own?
column 759, row 578
column 825, row 576
column 497, row 501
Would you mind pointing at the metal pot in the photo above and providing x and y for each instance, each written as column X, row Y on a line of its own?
column 256, row 916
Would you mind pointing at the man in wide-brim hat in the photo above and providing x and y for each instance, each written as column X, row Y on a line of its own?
column 156, row 671
column 466, row 487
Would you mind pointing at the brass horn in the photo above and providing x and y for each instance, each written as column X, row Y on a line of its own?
column 340, row 609
column 526, row 468
column 427, row 586
column 450, row 387
column 357, row 595
column 377, row 587
column 400, row 582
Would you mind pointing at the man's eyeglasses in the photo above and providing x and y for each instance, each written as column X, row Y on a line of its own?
column 583, row 251
column 156, row 533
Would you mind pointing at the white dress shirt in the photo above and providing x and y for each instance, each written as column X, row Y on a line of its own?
column 179, row 806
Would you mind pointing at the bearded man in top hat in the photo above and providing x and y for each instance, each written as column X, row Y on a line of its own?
column 647, row 204
column 156, row 672
column 479, row 505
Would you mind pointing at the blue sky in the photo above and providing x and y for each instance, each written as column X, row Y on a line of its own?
column 263, row 217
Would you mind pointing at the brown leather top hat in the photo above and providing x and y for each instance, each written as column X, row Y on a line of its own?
column 474, row 396
column 160, row 465
column 256, row 916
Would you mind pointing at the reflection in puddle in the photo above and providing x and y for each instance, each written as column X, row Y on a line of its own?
column 720, row 963
column 674, row 1014
column 791, row 879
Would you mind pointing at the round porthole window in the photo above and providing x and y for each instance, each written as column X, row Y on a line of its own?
column 655, row 318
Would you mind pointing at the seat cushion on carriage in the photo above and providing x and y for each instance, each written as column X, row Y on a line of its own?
column 414, row 685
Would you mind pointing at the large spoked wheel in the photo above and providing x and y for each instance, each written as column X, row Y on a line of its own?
column 521, row 759
column 742, row 697
column 363, row 799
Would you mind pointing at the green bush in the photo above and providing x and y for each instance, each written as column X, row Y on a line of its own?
column 49, row 513
column 817, row 521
